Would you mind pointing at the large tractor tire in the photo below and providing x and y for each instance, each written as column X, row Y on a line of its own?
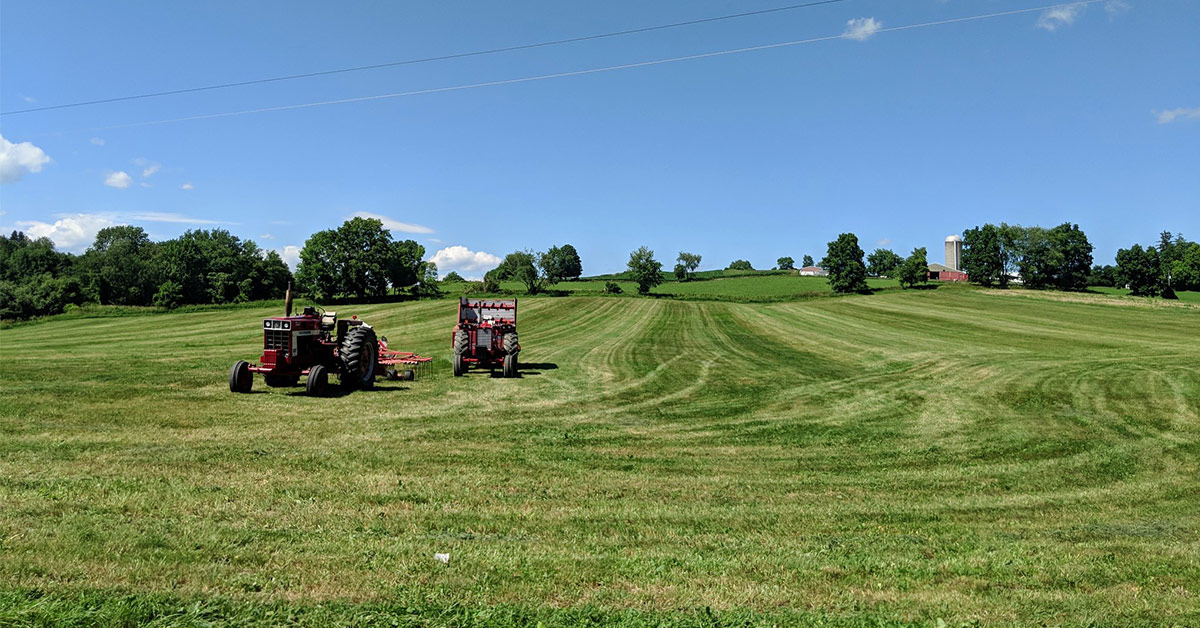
column 511, row 349
column 318, row 381
column 510, row 365
column 359, row 354
column 462, row 346
column 281, row 381
column 240, row 377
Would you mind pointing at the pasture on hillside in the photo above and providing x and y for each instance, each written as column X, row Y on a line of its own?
column 738, row 286
column 969, row 456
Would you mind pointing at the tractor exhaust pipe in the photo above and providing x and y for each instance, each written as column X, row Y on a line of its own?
column 287, row 301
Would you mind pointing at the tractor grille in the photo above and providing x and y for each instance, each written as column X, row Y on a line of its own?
column 276, row 339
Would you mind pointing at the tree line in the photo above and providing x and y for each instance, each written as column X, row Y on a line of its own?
column 124, row 267
column 1156, row 270
column 360, row 259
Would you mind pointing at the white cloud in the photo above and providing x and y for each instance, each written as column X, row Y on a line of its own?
column 18, row 159
column 267, row 236
column 394, row 225
column 1170, row 115
column 1116, row 6
column 1055, row 17
column 470, row 264
column 187, row 186
column 151, row 169
column 883, row 241
column 69, row 233
column 290, row 255
column 175, row 218
column 97, row 141
column 118, row 179
column 860, row 28
column 146, row 185
column 28, row 99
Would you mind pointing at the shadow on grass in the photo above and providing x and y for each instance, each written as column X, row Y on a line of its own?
column 334, row 391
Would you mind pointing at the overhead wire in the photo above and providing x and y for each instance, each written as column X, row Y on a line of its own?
column 611, row 68
column 460, row 55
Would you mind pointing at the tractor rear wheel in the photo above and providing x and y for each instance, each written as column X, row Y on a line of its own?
column 358, row 354
column 510, row 344
column 281, row 381
column 240, row 377
column 318, row 381
column 510, row 365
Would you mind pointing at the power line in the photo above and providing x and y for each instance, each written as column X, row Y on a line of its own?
column 459, row 55
column 611, row 68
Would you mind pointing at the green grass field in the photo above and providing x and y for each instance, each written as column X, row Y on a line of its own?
column 1182, row 296
column 737, row 286
column 953, row 455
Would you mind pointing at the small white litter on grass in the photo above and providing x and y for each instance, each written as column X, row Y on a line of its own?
column 445, row 558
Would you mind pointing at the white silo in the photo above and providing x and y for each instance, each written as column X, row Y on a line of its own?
column 954, row 252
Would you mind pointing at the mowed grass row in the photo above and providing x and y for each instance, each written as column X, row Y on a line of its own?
column 950, row 454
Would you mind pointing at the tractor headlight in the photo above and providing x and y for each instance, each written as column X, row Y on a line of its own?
column 287, row 324
column 266, row 324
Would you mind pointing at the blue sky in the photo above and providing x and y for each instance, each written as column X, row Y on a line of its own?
column 1088, row 114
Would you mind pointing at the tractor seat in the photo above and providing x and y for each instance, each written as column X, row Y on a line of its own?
column 328, row 321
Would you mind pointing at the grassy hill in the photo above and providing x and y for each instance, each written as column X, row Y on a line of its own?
column 708, row 285
column 964, row 455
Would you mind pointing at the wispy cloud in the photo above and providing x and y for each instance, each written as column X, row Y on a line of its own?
column 1056, row 17
column 172, row 217
column 267, row 236
column 98, row 141
column 1115, row 7
column 17, row 160
column 394, row 225
column 187, row 186
column 1170, row 115
column 119, row 179
column 151, row 169
column 883, row 241
column 861, row 28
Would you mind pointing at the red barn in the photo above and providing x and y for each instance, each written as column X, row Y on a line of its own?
column 941, row 272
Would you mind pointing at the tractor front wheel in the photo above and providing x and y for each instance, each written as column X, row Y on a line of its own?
column 510, row 365
column 240, row 377
column 318, row 381
column 462, row 345
column 358, row 353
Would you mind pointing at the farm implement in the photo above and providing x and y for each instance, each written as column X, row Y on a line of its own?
column 486, row 336
column 315, row 345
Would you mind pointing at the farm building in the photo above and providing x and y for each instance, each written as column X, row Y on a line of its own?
column 941, row 272
column 952, row 269
column 813, row 271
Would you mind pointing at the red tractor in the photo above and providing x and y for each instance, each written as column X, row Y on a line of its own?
column 316, row 344
column 486, row 336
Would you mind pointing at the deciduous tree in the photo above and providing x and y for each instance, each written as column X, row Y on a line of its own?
column 844, row 263
column 644, row 269
column 914, row 269
column 883, row 262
